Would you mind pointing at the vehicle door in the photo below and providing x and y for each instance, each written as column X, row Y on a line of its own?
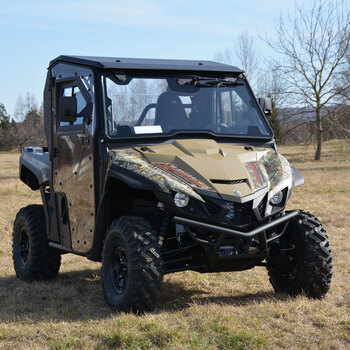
column 72, row 157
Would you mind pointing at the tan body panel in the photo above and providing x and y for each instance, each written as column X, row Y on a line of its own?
column 208, row 160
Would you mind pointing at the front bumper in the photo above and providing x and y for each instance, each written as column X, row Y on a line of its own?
column 223, row 232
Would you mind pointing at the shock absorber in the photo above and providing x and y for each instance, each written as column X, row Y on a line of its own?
column 164, row 225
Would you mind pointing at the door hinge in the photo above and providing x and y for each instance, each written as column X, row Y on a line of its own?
column 52, row 82
column 53, row 153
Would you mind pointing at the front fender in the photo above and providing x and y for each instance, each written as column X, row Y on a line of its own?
column 297, row 178
column 130, row 178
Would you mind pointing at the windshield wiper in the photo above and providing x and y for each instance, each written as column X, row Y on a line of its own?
column 209, row 82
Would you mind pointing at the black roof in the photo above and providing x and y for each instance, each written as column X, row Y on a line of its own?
column 146, row 64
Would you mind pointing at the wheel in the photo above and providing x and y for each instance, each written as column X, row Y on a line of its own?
column 131, row 265
column 301, row 262
column 33, row 259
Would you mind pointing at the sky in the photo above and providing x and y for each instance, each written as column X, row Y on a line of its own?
column 33, row 32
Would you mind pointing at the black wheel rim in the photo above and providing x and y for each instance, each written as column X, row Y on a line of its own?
column 119, row 269
column 293, row 261
column 293, row 267
column 24, row 245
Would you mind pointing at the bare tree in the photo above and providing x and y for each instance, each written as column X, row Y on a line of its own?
column 341, row 115
column 242, row 53
column 30, row 103
column 22, row 107
column 30, row 122
column 313, row 45
column 246, row 53
column 344, row 82
column 31, row 131
column 270, row 83
column 19, row 112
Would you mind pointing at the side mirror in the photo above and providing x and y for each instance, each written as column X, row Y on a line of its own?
column 266, row 105
column 67, row 109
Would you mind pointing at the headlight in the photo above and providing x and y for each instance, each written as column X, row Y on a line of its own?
column 277, row 198
column 181, row 199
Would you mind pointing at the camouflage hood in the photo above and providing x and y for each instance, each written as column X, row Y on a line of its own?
column 187, row 165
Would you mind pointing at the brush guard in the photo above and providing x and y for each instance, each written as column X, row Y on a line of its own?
column 223, row 232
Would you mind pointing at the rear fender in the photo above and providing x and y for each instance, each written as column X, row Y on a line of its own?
column 34, row 167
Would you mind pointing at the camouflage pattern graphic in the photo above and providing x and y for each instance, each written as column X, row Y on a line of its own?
column 256, row 174
column 136, row 162
column 272, row 170
column 188, row 178
column 277, row 169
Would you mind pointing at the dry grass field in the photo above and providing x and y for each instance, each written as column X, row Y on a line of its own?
column 211, row 311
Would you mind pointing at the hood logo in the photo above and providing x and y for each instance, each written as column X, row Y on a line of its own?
column 237, row 192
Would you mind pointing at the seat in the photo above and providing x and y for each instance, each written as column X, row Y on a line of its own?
column 170, row 113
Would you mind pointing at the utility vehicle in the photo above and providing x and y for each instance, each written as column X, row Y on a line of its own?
column 159, row 166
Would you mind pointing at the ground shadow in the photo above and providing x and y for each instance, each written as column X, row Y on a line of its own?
column 77, row 296
column 176, row 297
column 73, row 296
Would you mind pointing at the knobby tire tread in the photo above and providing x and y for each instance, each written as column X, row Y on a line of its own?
column 43, row 261
column 145, row 264
column 315, row 273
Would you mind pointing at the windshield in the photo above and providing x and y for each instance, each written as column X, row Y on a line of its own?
column 156, row 106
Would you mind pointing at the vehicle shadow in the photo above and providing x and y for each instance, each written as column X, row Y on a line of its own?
column 176, row 297
column 78, row 295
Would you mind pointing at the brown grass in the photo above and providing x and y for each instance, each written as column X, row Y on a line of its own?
column 211, row 311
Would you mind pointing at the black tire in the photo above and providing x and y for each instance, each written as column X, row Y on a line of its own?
column 33, row 259
column 306, row 268
column 132, row 272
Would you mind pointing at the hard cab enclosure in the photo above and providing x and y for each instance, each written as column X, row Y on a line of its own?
column 157, row 166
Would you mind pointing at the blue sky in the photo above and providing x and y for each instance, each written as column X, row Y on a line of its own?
column 33, row 32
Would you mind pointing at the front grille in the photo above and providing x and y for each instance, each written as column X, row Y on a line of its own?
column 230, row 213
column 214, row 209
column 239, row 214
column 262, row 207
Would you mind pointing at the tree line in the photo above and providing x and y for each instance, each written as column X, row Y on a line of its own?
column 29, row 128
